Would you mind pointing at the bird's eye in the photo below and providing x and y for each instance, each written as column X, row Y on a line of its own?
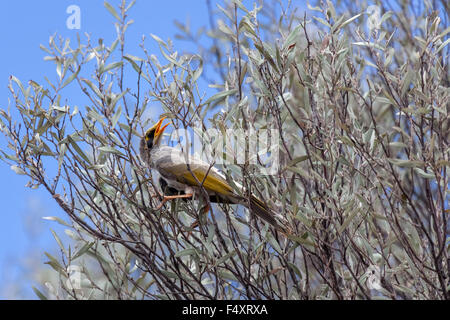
column 149, row 137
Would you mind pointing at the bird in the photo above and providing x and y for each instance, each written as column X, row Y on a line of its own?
column 182, row 179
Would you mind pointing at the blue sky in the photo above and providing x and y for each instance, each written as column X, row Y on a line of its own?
column 24, row 25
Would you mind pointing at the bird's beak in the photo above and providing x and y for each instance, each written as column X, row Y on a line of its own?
column 159, row 130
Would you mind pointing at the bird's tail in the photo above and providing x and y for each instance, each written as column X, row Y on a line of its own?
column 259, row 208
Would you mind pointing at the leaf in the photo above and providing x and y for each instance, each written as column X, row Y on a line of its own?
column 348, row 21
column 386, row 16
column 407, row 81
column 423, row 174
column 264, row 51
column 301, row 240
column 18, row 170
column 226, row 275
column 370, row 45
column 406, row 163
column 97, row 167
column 198, row 72
column 61, row 154
column 130, row 5
column 220, row 96
column 275, row 245
column 225, row 29
column 72, row 76
column 128, row 129
column 397, row 144
column 347, row 221
column 13, row 78
column 58, row 240
column 186, row 252
column 93, row 87
column 442, row 46
column 59, row 220
column 116, row 116
column 110, row 150
column 114, row 45
column 306, row 174
column 111, row 10
column 111, row 66
column 117, row 98
column 292, row 37
column 243, row 73
column 72, row 234
column 297, row 160
column 95, row 115
column 78, row 149
column 320, row 20
column 64, row 109
column 247, row 27
column 224, row 258
column 388, row 60
column 135, row 66
column 159, row 40
column 74, row 112
column 54, row 263
column 310, row 7
column 295, row 268
column 170, row 57
column 240, row 5
column 83, row 250
column 169, row 274
column 39, row 293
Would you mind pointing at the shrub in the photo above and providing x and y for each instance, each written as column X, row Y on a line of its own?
column 359, row 101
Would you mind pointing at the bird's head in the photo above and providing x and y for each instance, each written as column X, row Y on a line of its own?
column 153, row 135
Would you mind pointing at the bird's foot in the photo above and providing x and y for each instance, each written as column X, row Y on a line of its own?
column 168, row 198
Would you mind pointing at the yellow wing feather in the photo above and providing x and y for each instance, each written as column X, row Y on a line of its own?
column 212, row 182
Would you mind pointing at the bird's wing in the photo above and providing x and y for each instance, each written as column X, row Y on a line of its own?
column 172, row 164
